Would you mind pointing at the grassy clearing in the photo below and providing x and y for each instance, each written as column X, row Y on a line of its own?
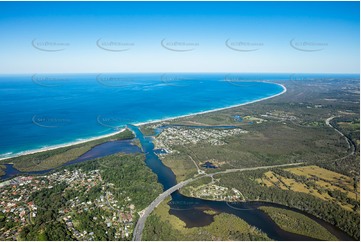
column 182, row 166
column 274, row 180
column 248, row 182
column 316, row 181
column 298, row 223
column 329, row 179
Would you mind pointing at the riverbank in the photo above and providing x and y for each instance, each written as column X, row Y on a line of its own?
column 34, row 151
column 298, row 223
column 189, row 210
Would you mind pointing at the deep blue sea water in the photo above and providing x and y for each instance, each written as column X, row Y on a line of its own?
column 38, row 111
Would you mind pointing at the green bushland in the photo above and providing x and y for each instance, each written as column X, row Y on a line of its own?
column 350, row 126
column 131, row 178
column 147, row 130
column 53, row 158
column 298, row 223
column 2, row 170
column 246, row 182
column 265, row 144
column 160, row 225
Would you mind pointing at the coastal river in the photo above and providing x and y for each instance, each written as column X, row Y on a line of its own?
column 191, row 210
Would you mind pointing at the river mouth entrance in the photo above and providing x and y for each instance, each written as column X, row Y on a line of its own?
column 191, row 210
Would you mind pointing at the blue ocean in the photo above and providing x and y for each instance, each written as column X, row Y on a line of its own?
column 41, row 110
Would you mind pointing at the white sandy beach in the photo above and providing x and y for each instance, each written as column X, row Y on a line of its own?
column 214, row 110
column 139, row 124
column 62, row 145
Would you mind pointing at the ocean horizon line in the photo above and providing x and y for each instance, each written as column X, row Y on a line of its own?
column 175, row 72
column 85, row 140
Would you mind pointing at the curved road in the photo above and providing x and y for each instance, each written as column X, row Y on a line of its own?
column 349, row 142
column 137, row 234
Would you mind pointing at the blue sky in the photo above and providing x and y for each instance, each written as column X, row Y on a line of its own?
column 270, row 37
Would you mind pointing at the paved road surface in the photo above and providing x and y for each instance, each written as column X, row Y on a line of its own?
column 137, row 234
column 349, row 142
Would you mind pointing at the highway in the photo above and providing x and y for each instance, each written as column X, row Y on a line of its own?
column 137, row 234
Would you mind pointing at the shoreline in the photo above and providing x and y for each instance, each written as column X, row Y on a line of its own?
column 29, row 152
column 215, row 110
column 54, row 147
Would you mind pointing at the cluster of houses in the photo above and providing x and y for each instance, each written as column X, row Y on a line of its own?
column 279, row 116
column 215, row 192
column 173, row 136
column 17, row 209
column 15, row 206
